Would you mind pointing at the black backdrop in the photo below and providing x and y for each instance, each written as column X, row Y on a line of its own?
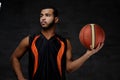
column 18, row 18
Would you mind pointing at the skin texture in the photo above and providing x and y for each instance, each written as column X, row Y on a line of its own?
column 48, row 22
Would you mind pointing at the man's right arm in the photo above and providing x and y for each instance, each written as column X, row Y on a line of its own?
column 17, row 55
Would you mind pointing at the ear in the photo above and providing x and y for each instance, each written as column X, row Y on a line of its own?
column 56, row 19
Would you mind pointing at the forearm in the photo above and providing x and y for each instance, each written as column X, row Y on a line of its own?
column 74, row 65
column 17, row 68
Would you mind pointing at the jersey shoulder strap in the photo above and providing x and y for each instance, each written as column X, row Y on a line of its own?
column 32, row 36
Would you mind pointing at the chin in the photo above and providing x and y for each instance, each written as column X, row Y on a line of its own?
column 44, row 28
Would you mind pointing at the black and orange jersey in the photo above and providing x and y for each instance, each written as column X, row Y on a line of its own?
column 47, row 58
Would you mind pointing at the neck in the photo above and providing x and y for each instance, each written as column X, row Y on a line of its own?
column 48, row 33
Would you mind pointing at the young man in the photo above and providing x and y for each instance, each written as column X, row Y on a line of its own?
column 50, row 55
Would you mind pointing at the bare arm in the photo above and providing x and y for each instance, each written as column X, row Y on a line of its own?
column 74, row 65
column 16, row 56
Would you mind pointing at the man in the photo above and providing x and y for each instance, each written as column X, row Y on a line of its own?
column 50, row 55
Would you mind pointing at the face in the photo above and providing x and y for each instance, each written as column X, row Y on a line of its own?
column 47, row 18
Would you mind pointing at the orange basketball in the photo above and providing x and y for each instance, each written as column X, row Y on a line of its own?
column 91, row 34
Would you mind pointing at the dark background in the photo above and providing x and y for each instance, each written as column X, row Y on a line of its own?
column 18, row 18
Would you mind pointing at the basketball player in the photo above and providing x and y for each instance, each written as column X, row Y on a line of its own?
column 50, row 55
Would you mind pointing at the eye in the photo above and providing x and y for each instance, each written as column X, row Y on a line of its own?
column 48, row 15
column 41, row 15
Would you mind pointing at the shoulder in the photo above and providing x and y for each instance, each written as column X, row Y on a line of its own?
column 32, row 36
column 24, row 42
column 65, row 40
column 61, row 37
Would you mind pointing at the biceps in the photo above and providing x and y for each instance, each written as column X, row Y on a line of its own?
column 21, row 48
column 19, row 52
column 69, row 51
column 69, row 55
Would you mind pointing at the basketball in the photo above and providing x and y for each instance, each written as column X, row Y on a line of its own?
column 91, row 35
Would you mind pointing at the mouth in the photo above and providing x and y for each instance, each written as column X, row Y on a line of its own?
column 43, row 23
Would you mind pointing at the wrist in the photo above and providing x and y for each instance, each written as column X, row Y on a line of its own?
column 21, row 78
column 88, row 54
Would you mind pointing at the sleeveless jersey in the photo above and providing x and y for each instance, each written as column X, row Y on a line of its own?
column 47, row 58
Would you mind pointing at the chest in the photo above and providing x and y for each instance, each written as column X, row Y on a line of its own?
column 47, row 46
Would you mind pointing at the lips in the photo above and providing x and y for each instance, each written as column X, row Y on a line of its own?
column 43, row 22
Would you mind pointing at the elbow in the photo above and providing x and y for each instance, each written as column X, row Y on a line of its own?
column 69, row 69
column 13, row 58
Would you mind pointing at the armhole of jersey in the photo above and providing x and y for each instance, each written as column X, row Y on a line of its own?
column 31, row 37
column 64, row 40
column 65, row 44
column 64, row 59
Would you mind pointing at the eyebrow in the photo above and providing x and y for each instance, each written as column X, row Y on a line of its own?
column 46, row 13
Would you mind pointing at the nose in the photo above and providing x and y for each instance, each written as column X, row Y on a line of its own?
column 42, row 18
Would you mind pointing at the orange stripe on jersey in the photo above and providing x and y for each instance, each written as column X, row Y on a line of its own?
column 35, row 53
column 59, row 56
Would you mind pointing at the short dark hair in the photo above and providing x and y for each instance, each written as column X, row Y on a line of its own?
column 55, row 11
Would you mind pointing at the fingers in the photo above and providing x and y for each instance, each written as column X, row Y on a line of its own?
column 100, row 45
column 91, row 47
column 95, row 50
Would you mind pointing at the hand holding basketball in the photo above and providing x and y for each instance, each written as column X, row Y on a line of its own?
column 93, row 51
column 91, row 35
